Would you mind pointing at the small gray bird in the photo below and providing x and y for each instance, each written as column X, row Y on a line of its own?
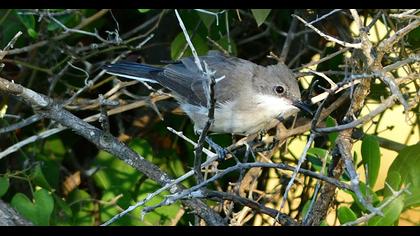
column 248, row 96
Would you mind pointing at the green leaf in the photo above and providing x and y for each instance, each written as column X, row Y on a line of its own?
column 323, row 223
column 160, row 216
column 29, row 22
column 260, row 15
column 330, row 122
column 11, row 25
column 82, row 207
column 39, row 211
column 407, row 165
column 391, row 213
column 116, row 174
column 224, row 43
column 305, row 208
column 178, row 45
column 51, row 172
column 142, row 147
column 39, row 178
column 55, row 146
column 107, row 211
column 32, row 33
column 393, row 180
column 62, row 212
column 371, row 157
column 367, row 192
column 4, row 185
column 143, row 10
column 208, row 19
column 315, row 156
column 69, row 20
column 414, row 38
column 345, row 215
column 170, row 162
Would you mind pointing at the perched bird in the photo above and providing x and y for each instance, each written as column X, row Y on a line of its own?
column 248, row 96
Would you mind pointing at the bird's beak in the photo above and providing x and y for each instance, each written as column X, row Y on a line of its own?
column 302, row 106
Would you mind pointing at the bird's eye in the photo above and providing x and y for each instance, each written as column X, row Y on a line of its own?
column 279, row 89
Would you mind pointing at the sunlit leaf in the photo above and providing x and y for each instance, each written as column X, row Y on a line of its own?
column 143, row 10
column 38, row 211
column 260, row 15
column 82, row 206
column 316, row 156
column 371, row 157
column 55, row 146
column 330, row 122
column 116, row 174
column 32, row 33
column 391, row 213
column 306, row 208
column 407, row 165
column 345, row 215
column 367, row 193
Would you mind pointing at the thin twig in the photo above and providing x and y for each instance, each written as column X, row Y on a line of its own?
column 289, row 39
column 295, row 172
column 195, row 190
column 382, row 107
column 322, row 59
column 369, row 216
column 30, row 120
column 211, row 103
column 193, row 51
column 327, row 37
column 324, row 16
column 82, row 24
column 282, row 218
column 91, row 118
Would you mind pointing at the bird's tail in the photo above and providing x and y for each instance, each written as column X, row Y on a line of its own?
column 133, row 70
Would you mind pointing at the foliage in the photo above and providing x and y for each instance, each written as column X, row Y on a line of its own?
column 65, row 180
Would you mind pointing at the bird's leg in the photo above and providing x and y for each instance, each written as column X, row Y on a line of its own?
column 220, row 151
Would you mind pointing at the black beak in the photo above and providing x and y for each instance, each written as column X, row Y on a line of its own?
column 303, row 106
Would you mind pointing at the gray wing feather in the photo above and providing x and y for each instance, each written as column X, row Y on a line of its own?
column 185, row 79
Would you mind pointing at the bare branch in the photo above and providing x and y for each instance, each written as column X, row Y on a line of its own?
column 103, row 141
column 82, row 24
column 381, row 108
column 367, row 217
column 327, row 37
column 193, row 51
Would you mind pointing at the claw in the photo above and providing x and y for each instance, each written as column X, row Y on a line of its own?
column 220, row 151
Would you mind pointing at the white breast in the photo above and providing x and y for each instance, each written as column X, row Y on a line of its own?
column 247, row 118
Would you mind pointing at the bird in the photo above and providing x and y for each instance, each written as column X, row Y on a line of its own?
column 248, row 97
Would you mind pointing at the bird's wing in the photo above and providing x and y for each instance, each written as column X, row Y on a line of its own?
column 185, row 79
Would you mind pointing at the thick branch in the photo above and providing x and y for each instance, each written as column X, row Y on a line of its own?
column 104, row 141
column 9, row 217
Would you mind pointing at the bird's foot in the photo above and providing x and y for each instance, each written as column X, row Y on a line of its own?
column 220, row 151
